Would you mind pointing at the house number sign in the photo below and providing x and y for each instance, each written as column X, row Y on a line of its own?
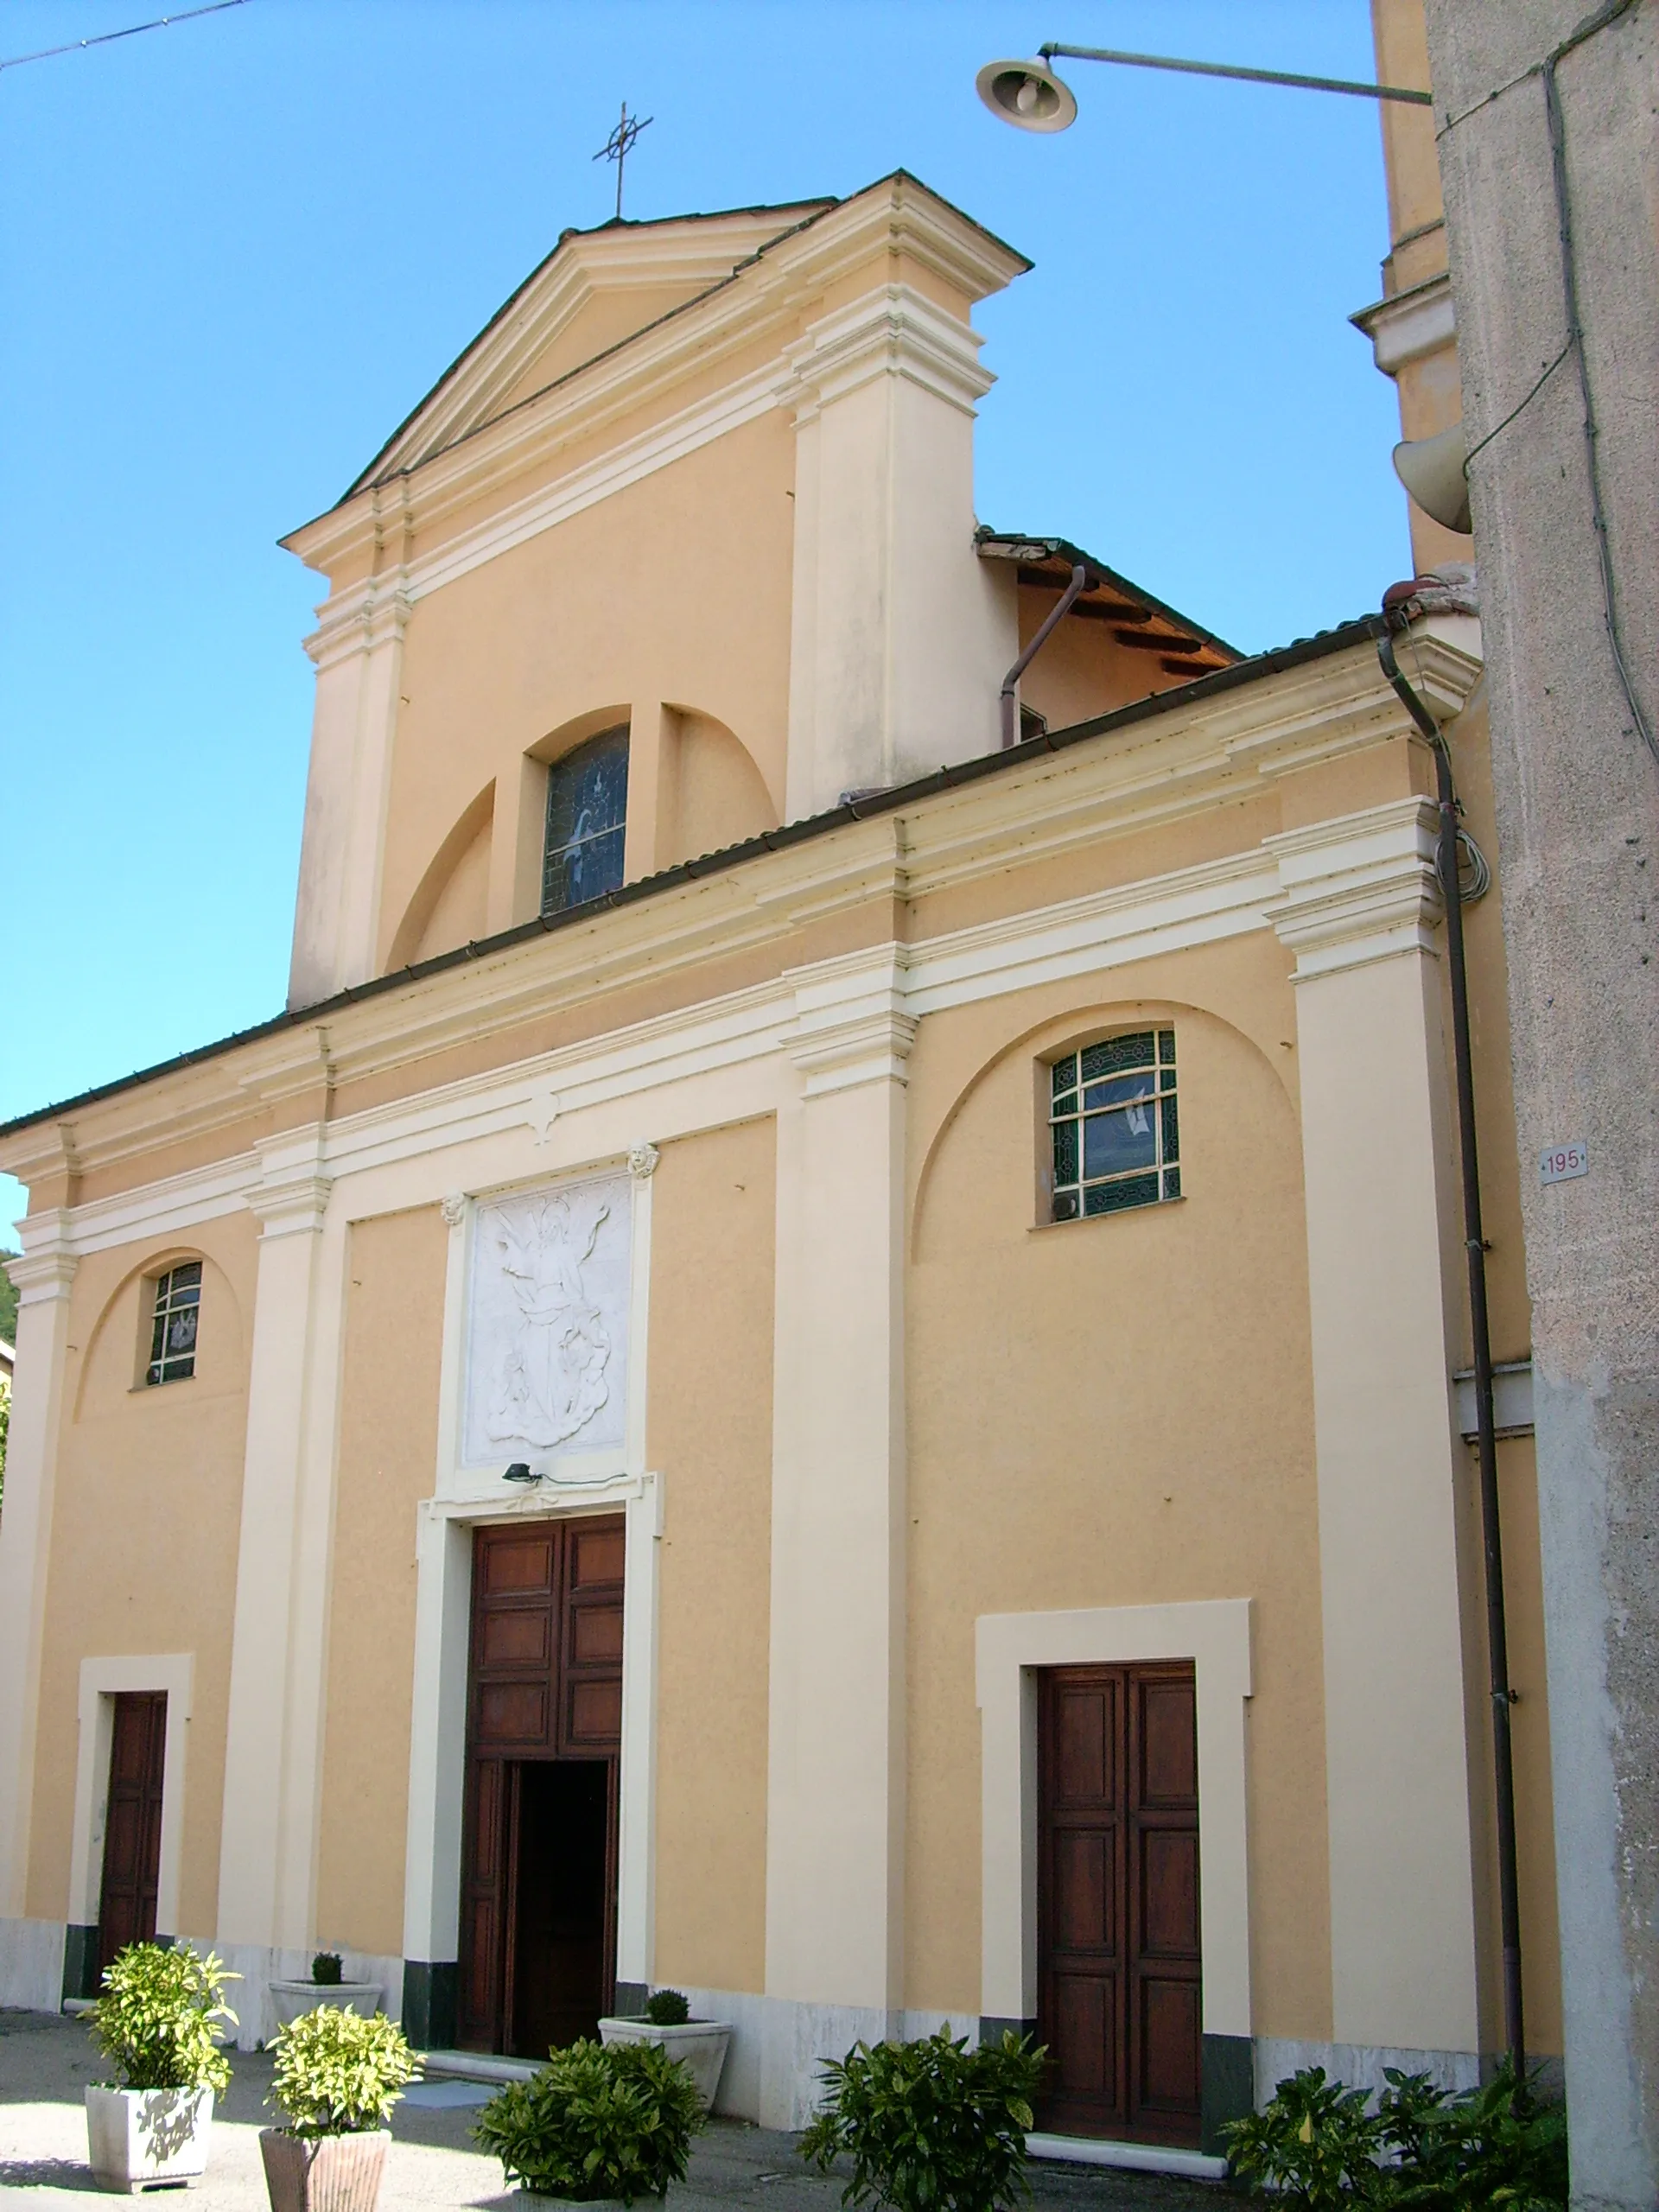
column 1563, row 1161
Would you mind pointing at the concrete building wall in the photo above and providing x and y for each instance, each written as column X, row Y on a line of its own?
column 1577, row 804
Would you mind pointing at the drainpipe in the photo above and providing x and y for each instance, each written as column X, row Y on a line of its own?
column 1498, row 1654
column 1011, row 681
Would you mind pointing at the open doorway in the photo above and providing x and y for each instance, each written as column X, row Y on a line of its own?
column 539, row 1841
column 558, row 1921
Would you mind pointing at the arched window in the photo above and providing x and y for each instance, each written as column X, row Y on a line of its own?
column 587, row 814
column 1113, row 1125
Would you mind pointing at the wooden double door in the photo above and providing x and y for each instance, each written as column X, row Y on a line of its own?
column 543, row 1732
column 1119, row 2002
column 132, row 1823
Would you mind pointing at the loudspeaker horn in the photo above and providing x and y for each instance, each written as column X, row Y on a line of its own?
column 1028, row 94
column 1432, row 471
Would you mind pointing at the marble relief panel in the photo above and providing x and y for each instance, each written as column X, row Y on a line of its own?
column 547, row 1324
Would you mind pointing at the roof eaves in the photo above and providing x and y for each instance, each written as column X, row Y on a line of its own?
column 1273, row 663
column 990, row 541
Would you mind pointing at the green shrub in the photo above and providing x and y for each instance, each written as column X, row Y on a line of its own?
column 596, row 2121
column 931, row 2126
column 1316, row 2147
column 337, row 2074
column 667, row 2008
column 156, row 2019
column 326, row 1969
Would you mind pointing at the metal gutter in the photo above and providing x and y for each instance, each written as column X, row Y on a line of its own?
column 1369, row 627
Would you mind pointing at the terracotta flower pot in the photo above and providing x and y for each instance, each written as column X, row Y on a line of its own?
column 136, row 2138
column 326, row 2173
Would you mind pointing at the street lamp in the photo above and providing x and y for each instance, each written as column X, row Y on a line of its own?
column 1030, row 96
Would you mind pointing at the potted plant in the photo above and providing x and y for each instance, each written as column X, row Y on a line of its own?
column 337, row 2075
column 157, row 2022
column 290, row 1998
column 595, row 2125
column 666, row 2022
column 931, row 2126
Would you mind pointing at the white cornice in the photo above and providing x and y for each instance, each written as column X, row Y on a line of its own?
column 761, row 304
column 1410, row 325
column 1183, row 761
column 695, row 254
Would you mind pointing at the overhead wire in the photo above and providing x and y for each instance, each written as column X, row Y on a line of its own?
column 108, row 38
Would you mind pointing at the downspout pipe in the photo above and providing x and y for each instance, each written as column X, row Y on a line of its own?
column 1011, row 681
column 1497, row 1651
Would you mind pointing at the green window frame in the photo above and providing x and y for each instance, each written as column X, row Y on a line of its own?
column 1114, row 1126
column 173, row 1324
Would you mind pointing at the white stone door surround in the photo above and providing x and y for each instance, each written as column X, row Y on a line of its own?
column 102, row 1681
column 1010, row 1648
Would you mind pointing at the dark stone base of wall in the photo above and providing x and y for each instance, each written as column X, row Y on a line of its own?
column 1228, row 2090
column 430, row 1994
column 80, row 1949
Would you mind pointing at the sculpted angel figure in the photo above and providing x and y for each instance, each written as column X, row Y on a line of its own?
column 550, row 1380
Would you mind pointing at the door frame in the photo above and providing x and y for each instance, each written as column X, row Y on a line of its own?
column 1011, row 1649
column 437, row 1776
column 102, row 1681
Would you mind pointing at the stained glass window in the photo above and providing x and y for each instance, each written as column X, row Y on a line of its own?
column 173, row 1331
column 1112, row 1121
column 587, row 817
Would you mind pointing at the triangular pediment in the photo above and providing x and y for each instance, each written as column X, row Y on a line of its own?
column 596, row 289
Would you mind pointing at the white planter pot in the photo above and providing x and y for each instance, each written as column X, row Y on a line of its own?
column 293, row 1998
column 700, row 2044
column 137, row 2138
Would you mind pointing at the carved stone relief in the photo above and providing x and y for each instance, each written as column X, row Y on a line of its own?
column 547, row 1339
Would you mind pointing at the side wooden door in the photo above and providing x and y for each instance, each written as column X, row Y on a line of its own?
column 544, row 1684
column 1119, row 2001
column 132, row 1823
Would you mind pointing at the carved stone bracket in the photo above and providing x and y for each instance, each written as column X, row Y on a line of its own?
column 642, row 1161
column 453, row 1208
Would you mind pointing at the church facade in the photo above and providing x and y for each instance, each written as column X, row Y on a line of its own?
column 819, row 1362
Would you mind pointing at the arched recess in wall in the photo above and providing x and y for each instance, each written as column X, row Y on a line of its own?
column 112, row 1367
column 714, row 794
column 450, row 905
column 1004, row 1149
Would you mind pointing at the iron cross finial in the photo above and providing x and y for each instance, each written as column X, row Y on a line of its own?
column 620, row 145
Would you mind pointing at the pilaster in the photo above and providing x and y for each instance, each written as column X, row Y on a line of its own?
column 43, row 1273
column 274, row 1727
column 1358, row 907
column 899, row 643
column 358, row 649
column 836, row 1810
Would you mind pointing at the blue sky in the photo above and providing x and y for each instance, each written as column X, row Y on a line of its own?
column 233, row 253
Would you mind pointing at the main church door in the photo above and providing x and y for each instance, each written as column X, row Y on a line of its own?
column 544, row 1732
column 1118, row 1901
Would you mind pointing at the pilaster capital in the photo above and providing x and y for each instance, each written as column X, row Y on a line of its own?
column 362, row 617
column 45, row 1267
column 895, row 331
column 291, row 1196
column 1359, row 888
column 850, row 1025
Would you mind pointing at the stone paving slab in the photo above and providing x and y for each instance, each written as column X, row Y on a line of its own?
column 47, row 2061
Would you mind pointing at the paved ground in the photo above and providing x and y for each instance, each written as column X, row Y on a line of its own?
column 46, row 2062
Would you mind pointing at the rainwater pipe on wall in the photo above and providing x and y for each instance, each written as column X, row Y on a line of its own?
column 1011, row 682
column 1497, row 1651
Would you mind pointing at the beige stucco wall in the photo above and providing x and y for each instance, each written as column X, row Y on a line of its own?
column 695, row 615
column 145, row 1525
column 1076, row 1441
column 388, row 1439
column 709, row 1434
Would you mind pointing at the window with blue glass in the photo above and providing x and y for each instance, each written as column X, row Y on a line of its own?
column 587, row 818
column 1114, row 1125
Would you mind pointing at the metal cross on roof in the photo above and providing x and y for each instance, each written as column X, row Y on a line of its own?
column 620, row 145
